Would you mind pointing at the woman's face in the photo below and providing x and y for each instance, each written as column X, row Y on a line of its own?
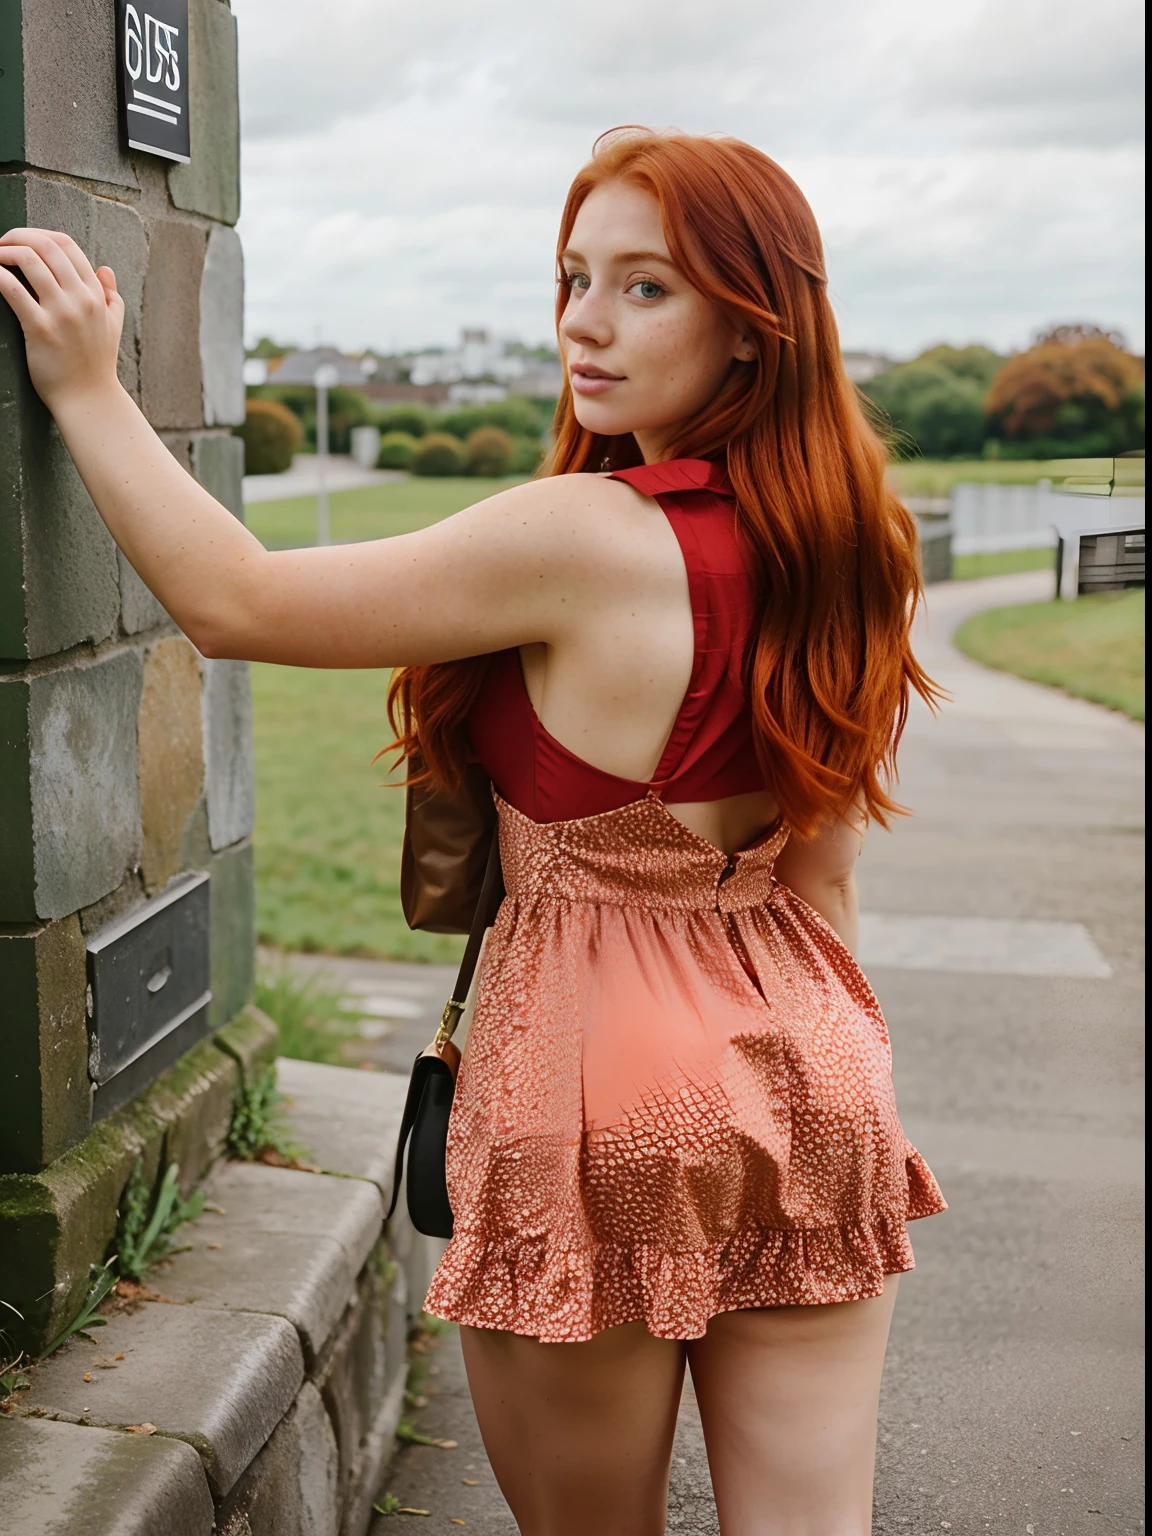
column 644, row 350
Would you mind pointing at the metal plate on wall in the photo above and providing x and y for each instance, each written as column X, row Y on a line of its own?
column 149, row 975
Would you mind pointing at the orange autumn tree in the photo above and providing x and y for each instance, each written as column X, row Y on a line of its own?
column 1075, row 391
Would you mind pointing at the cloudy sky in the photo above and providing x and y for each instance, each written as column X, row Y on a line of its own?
column 976, row 166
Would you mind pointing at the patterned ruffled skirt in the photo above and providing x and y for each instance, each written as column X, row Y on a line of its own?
column 676, row 1094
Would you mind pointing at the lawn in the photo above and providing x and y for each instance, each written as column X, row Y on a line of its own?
column 936, row 477
column 1003, row 562
column 1093, row 647
column 328, row 831
column 373, row 512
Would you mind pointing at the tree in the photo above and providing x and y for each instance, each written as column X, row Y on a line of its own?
column 936, row 401
column 1075, row 391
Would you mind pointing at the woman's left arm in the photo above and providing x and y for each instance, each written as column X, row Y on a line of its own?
column 822, row 872
column 518, row 568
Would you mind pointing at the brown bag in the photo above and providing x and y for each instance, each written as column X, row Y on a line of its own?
column 447, row 839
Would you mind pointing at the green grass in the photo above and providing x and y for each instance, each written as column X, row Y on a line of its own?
column 936, row 477
column 316, row 1023
column 1004, row 562
column 328, row 831
column 1093, row 647
column 372, row 512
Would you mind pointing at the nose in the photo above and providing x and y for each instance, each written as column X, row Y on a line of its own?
column 586, row 319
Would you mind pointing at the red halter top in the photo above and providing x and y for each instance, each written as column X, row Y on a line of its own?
column 709, row 753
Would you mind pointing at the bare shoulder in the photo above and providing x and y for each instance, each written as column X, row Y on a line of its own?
column 579, row 517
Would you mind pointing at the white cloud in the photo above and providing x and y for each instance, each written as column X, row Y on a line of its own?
column 975, row 168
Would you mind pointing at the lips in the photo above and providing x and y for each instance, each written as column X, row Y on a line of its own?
column 590, row 379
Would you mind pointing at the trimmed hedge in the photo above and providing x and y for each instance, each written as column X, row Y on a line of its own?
column 491, row 451
column 271, row 434
column 440, row 454
column 397, row 450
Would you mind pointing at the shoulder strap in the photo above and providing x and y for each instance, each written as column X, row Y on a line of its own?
column 491, row 895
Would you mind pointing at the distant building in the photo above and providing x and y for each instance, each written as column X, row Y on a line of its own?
column 862, row 367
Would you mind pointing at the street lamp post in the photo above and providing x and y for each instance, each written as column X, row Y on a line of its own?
column 324, row 378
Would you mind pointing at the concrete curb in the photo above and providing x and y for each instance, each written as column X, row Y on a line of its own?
column 276, row 1350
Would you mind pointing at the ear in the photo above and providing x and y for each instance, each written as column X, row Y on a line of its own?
column 744, row 351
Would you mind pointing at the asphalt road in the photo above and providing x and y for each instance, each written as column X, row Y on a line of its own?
column 1012, row 1392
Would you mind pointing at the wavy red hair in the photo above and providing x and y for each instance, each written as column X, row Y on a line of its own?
column 831, row 669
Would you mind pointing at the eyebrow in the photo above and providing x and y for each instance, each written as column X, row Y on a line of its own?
column 623, row 257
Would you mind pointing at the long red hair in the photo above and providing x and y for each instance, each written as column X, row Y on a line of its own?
column 831, row 669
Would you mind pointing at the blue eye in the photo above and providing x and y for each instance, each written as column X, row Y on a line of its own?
column 647, row 288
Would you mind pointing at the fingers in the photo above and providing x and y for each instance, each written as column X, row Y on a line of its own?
column 107, row 280
column 60, row 254
column 34, row 268
column 24, row 306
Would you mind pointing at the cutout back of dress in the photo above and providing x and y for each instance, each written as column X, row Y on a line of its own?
column 709, row 754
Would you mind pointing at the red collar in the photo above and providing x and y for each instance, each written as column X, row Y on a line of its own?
column 677, row 475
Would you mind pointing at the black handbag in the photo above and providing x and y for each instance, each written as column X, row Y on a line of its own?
column 432, row 1087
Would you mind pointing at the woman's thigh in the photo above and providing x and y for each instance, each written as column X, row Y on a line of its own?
column 788, row 1400
column 579, row 1435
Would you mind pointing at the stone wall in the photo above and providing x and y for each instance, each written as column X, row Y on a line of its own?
column 125, row 757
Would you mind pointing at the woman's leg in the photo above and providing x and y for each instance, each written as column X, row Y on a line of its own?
column 788, row 1400
column 579, row 1435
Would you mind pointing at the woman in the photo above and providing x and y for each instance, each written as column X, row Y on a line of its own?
column 675, row 1140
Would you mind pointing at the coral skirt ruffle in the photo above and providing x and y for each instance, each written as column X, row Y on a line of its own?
column 676, row 1094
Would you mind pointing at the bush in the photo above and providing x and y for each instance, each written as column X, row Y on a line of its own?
column 517, row 415
column 1076, row 391
column 271, row 434
column 491, row 451
column 413, row 420
column 440, row 454
column 528, row 456
column 397, row 450
column 936, row 401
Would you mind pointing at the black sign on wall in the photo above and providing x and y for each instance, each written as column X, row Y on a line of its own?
column 152, row 43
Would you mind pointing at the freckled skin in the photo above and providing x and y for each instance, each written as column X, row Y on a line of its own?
column 672, row 350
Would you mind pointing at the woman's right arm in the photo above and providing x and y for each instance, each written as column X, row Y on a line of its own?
column 518, row 568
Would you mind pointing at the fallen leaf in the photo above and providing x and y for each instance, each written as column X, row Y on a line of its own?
column 140, row 1429
column 447, row 1445
column 217, row 1210
column 214, row 1245
column 453, row 1521
column 87, row 1375
column 118, row 1357
column 470, row 1482
column 404, row 1510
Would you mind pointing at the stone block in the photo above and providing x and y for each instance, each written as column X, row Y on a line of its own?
column 69, row 803
column 222, row 328
column 291, row 1487
column 170, row 755
column 286, row 1201
column 58, row 567
column 210, row 184
column 221, row 1381
column 58, row 1479
column 59, row 106
column 111, row 234
column 362, row 1378
column 55, row 1224
column 218, row 464
column 233, row 918
column 44, row 1085
column 170, row 379
column 348, row 1120
column 227, row 725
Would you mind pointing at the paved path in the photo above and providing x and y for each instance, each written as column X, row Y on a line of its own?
column 1011, row 1395
column 344, row 474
